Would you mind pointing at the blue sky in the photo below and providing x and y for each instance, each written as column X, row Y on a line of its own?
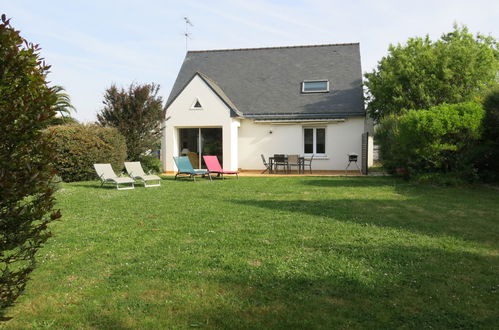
column 92, row 44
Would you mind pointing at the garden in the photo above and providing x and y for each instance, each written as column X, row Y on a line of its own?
column 283, row 252
column 417, row 250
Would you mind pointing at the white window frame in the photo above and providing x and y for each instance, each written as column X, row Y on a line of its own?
column 314, row 145
column 193, row 107
column 318, row 80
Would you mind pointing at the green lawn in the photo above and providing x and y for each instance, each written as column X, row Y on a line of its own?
column 287, row 252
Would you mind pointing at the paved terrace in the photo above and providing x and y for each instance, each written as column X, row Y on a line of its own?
column 258, row 173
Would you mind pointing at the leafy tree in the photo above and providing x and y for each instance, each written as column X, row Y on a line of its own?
column 420, row 74
column 63, row 104
column 26, row 189
column 137, row 113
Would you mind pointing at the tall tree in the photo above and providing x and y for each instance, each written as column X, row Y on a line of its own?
column 26, row 189
column 137, row 113
column 422, row 73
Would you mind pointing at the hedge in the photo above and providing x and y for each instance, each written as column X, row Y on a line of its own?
column 433, row 140
column 78, row 147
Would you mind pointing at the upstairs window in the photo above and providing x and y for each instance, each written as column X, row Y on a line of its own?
column 315, row 86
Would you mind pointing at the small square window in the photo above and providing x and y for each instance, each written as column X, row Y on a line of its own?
column 315, row 86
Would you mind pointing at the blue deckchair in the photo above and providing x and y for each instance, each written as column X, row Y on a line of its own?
column 184, row 167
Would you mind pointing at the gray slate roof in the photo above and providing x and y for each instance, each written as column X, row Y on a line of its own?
column 265, row 83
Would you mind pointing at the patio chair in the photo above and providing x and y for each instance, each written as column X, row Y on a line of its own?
column 213, row 166
column 135, row 171
column 294, row 160
column 308, row 162
column 107, row 175
column 268, row 168
column 280, row 160
column 185, row 168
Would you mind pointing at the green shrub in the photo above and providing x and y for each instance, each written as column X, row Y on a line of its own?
column 26, row 189
column 151, row 164
column 436, row 140
column 485, row 156
column 386, row 138
column 78, row 147
column 114, row 150
column 491, row 120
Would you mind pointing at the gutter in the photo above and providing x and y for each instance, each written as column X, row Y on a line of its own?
column 297, row 121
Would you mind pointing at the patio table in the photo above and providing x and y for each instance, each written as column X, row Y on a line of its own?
column 301, row 162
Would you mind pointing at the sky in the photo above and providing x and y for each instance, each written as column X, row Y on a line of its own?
column 93, row 44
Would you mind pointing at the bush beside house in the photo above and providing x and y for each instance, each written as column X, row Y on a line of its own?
column 80, row 146
column 436, row 140
column 486, row 154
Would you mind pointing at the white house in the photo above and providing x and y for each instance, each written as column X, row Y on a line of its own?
column 241, row 103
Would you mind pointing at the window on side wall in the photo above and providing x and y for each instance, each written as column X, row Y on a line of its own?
column 314, row 141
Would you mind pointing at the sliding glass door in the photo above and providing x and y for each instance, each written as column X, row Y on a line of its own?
column 196, row 142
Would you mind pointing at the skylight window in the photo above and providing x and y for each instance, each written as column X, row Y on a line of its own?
column 315, row 86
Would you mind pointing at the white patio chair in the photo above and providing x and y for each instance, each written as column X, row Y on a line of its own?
column 107, row 175
column 134, row 169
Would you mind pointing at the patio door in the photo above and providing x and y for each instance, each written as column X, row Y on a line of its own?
column 196, row 142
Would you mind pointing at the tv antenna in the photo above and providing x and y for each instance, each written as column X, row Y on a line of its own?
column 187, row 34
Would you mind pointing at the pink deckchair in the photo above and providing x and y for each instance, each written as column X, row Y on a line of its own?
column 213, row 166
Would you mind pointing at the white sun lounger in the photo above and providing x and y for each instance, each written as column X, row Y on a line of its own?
column 107, row 175
column 136, row 172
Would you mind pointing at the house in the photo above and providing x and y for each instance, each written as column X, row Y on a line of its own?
column 241, row 103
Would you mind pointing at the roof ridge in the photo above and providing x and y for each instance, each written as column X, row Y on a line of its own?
column 275, row 47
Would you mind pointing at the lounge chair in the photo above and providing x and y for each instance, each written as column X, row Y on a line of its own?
column 135, row 171
column 184, row 167
column 213, row 166
column 107, row 175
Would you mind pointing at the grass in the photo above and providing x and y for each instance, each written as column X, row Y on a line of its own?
column 287, row 252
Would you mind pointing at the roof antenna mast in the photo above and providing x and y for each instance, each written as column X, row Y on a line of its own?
column 187, row 34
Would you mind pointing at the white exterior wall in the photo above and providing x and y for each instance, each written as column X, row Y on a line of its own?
column 214, row 114
column 244, row 140
column 342, row 138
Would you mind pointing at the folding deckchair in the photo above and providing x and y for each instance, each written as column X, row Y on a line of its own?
column 184, row 167
column 213, row 166
column 107, row 175
column 135, row 171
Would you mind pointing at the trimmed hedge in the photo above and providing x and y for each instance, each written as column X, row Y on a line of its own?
column 437, row 140
column 78, row 147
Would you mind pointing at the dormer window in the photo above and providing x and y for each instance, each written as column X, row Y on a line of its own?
column 315, row 86
column 196, row 105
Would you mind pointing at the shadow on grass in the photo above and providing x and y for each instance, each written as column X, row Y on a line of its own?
column 352, row 182
column 404, row 287
column 418, row 216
